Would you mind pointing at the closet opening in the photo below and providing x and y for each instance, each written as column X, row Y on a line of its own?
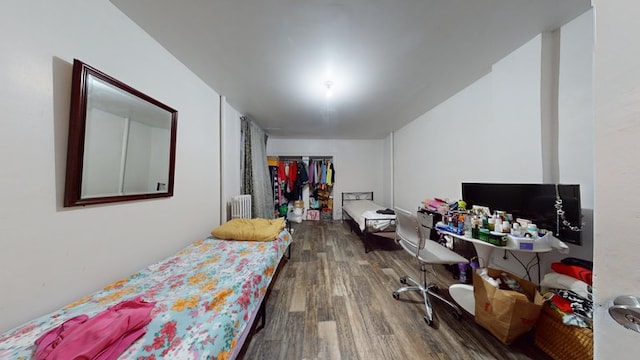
column 302, row 187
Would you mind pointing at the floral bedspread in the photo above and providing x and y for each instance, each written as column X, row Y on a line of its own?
column 205, row 296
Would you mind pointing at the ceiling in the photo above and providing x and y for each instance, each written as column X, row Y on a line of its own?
column 389, row 61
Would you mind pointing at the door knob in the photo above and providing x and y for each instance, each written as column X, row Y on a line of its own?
column 626, row 311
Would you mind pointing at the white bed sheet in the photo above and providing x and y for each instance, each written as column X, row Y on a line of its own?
column 359, row 210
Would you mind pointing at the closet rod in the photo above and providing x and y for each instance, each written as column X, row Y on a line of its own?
column 289, row 158
column 323, row 158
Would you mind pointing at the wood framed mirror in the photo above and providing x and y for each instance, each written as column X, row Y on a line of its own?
column 121, row 143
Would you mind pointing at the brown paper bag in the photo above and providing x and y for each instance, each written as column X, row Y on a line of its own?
column 507, row 314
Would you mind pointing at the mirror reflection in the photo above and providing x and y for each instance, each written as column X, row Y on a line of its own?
column 121, row 142
column 126, row 148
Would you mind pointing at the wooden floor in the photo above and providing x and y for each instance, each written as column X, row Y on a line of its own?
column 333, row 301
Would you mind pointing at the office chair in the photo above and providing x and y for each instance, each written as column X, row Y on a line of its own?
column 412, row 236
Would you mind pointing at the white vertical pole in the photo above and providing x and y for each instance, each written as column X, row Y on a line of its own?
column 223, row 163
column 391, row 170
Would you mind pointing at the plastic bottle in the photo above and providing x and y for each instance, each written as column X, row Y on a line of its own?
column 506, row 226
column 463, row 272
column 515, row 230
column 498, row 225
column 475, row 228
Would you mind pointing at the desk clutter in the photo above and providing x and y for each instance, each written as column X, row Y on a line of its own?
column 499, row 228
column 558, row 312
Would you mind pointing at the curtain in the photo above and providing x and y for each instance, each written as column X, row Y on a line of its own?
column 256, row 180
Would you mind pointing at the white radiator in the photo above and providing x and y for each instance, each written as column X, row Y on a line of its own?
column 241, row 207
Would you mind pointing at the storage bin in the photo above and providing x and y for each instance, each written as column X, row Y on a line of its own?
column 560, row 341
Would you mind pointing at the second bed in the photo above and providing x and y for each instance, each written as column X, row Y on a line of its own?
column 364, row 218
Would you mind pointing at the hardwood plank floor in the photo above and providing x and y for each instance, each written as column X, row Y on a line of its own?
column 333, row 301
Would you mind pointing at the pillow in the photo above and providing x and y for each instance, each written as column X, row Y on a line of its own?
column 577, row 272
column 249, row 229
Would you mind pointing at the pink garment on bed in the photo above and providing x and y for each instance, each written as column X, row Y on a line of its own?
column 102, row 337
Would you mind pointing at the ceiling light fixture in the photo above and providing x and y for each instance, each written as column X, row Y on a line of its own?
column 328, row 84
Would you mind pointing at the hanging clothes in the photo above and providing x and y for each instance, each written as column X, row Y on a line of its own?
column 282, row 175
column 293, row 173
column 316, row 173
column 333, row 173
column 302, row 177
column 329, row 173
column 323, row 179
column 301, row 180
column 319, row 172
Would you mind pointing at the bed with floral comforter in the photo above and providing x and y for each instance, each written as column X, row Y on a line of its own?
column 206, row 296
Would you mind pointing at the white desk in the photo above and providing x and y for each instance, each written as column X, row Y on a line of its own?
column 463, row 294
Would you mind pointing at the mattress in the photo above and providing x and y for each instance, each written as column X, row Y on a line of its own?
column 363, row 212
column 206, row 296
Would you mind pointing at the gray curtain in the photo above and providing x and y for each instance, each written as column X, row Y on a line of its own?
column 255, row 171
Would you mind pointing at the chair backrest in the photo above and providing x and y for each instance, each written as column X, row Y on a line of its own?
column 413, row 236
column 407, row 231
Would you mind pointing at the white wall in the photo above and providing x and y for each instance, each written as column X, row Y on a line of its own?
column 488, row 132
column 576, row 121
column 53, row 255
column 230, row 128
column 617, row 130
column 515, row 126
column 435, row 152
column 359, row 164
column 492, row 132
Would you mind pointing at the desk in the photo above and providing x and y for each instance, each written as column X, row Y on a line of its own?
column 463, row 294
column 484, row 249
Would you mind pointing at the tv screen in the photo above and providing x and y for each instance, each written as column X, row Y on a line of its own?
column 535, row 202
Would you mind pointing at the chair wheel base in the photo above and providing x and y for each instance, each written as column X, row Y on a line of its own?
column 396, row 295
column 428, row 321
column 403, row 280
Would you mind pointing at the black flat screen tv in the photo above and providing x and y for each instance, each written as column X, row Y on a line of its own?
column 535, row 202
